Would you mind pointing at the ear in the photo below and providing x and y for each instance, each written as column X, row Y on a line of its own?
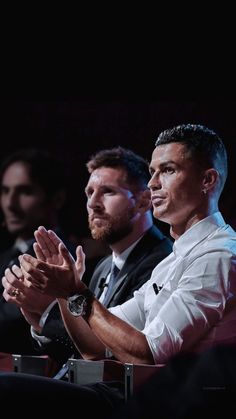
column 144, row 202
column 210, row 179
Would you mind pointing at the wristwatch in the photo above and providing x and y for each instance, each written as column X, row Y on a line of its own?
column 79, row 304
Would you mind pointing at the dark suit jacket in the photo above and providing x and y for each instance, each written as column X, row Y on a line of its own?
column 150, row 250
column 15, row 336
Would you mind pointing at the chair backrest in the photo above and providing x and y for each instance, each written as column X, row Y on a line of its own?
column 132, row 375
column 6, row 362
column 81, row 371
column 39, row 365
column 136, row 375
column 28, row 364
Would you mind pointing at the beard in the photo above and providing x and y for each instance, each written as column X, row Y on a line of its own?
column 112, row 229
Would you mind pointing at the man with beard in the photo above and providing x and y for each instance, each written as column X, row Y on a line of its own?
column 119, row 213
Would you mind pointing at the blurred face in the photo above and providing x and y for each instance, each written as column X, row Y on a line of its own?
column 110, row 205
column 176, row 186
column 23, row 202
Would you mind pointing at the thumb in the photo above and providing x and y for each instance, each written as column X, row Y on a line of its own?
column 66, row 254
column 80, row 260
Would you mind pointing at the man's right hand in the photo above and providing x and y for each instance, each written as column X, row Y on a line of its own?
column 19, row 291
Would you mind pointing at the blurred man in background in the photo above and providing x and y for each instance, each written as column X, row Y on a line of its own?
column 32, row 192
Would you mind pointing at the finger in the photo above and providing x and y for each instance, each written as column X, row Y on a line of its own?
column 32, row 273
column 17, row 272
column 28, row 261
column 10, row 277
column 20, row 276
column 80, row 260
column 12, row 281
column 51, row 240
column 42, row 242
column 4, row 282
column 54, row 237
column 66, row 254
column 11, row 299
column 9, row 289
column 7, row 296
column 34, row 282
column 38, row 252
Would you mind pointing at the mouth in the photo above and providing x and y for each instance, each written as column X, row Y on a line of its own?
column 97, row 220
column 13, row 220
column 157, row 200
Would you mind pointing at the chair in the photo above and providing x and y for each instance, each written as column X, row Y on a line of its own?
column 81, row 371
column 29, row 364
column 136, row 375
column 6, row 362
column 39, row 365
column 133, row 375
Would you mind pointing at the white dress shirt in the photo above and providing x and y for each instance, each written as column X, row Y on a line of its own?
column 196, row 305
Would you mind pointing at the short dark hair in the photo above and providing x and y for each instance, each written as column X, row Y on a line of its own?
column 44, row 169
column 202, row 143
column 135, row 166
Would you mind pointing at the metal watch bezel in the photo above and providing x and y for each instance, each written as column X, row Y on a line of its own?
column 77, row 305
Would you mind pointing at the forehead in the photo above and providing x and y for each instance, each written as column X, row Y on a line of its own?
column 16, row 173
column 172, row 152
column 107, row 175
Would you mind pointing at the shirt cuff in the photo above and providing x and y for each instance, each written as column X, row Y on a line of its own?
column 39, row 338
column 45, row 314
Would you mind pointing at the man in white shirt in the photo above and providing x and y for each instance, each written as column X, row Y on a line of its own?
column 189, row 302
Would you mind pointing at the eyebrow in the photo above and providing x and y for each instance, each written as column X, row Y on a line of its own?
column 163, row 164
column 106, row 186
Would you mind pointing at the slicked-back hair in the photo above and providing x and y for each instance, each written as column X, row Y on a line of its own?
column 135, row 166
column 202, row 144
column 44, row 168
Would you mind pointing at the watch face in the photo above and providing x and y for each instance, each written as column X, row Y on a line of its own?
column 76, row 305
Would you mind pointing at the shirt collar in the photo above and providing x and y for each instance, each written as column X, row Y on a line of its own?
column 23, row 245
column 119, row 260
column 197, row 233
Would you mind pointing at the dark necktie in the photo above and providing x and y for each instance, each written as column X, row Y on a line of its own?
column 113, row 275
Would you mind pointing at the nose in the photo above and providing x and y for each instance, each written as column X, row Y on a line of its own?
column 154, row 183
column 11, row 200
column 94, row 202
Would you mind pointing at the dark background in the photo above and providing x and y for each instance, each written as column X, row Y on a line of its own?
column 75, row 129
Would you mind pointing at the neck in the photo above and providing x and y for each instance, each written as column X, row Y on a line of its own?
column 139, row 228
column 177, row 229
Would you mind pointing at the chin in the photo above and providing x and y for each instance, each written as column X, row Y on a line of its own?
column 161, row 216
column 14, row 230
column 158, row 214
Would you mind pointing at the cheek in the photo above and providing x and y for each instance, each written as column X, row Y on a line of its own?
column 118, row 205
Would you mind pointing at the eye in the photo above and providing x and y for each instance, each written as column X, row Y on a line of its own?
column 168, row 170
column 88, row 192
column 109, row 191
